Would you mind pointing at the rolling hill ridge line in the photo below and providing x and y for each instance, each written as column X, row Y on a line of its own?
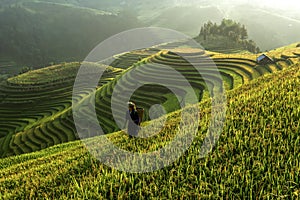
column 42, row 100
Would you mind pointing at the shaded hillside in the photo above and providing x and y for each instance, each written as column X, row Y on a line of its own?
column 36, row 34
column 187, row 19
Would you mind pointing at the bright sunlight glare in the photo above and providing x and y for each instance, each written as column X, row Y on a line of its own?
column 280, row 4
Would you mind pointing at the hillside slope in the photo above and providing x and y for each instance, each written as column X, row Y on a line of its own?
column 36, row 33
column 36, row 111
column 257, row 155
column 190, row 19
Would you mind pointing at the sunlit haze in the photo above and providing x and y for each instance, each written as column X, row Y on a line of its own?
column 287, row 4
column 279, row 4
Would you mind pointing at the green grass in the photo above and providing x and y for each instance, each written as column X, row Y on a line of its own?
column 34, row 103
column 256, row 157
column 41, row 99
column 126, row 60
column 46, row 76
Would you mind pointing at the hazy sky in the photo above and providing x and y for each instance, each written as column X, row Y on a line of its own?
column 279, row 4
column 287, row 8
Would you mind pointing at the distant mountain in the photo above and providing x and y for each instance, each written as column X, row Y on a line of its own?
column 38, row 33
column 269, row 29
column 187, row 19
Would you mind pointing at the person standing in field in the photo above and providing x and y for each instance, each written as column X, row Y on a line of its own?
column 133, row 120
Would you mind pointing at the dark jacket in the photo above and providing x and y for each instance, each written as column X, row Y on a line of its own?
column 133, row 122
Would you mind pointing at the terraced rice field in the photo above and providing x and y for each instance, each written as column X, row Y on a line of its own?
column 35, row 108
column 256, row 157
column 126, row 60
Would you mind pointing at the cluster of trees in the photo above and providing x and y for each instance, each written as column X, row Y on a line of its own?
column 25, row 69
column 234, row 31
column 228, row 27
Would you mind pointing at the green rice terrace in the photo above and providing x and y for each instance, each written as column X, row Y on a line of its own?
column 257, row 155
column 36, row 106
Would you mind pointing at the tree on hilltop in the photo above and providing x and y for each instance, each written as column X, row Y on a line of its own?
column 235, row 33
